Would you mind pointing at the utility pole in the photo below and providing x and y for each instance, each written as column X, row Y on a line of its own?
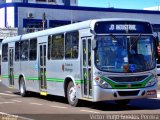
column 44, row 20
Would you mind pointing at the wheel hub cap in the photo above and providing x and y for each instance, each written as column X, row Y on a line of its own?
column 72, row 94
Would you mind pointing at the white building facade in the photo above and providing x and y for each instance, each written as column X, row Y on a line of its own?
column 33, row 15
column 156, row 8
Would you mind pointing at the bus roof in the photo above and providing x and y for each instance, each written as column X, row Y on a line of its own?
column 65, row 28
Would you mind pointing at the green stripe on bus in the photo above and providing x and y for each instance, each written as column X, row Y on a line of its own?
column 48, row 79
column 16, row 77
column 32, row 78
column 146, row 80
column 55, row 80
column 125, row 86
column 79, row 81
column 5, row 76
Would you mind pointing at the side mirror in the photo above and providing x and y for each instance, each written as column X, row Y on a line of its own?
column 94, row 44
column 156, row 40
column 157, row 46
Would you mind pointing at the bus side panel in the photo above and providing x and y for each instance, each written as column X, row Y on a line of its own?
column 51, row 84
column 30, row 72
column 4, row 73
column 16, row 73
column 55, row 77
column 58, row 70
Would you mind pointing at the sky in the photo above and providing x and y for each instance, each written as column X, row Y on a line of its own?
column 125, row 4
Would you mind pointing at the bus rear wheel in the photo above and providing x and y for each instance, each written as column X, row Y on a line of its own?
column 22, row 88
column 71, row 95
column 122, row 102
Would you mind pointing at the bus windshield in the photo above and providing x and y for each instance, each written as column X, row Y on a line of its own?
column 126, row 54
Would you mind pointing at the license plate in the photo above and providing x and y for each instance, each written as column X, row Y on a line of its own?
column 151, row 92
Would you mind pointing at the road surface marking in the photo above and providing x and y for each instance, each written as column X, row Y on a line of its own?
column 36, row 104
column 7, row 94
column 89, row 111
column 16, row 101
column 6, row 116
column 6, row 102
column 8, row 91
column 59, row 107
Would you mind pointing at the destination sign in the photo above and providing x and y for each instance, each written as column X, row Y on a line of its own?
column 122, row 27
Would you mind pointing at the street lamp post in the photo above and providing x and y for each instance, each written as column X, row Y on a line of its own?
column 43, row 20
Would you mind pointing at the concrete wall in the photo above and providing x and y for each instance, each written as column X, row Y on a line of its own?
column 16, row 13
column 10, row 17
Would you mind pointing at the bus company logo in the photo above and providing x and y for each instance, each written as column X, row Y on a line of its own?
column 67, row 67
column 129, row 86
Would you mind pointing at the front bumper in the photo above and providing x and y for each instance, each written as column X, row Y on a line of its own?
column 101, row 94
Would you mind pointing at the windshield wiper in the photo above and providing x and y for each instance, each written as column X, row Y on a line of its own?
column 114, row 37
column 135, row 41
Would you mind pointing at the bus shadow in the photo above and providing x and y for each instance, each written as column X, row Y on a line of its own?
column 51, row 98
column 139, row 104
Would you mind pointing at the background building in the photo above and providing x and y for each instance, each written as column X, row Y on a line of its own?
column 53, row 2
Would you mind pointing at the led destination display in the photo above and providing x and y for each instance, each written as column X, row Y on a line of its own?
column 122, row 27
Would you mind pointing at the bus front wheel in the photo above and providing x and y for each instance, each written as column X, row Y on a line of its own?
column 22, row 87
column 71, row 95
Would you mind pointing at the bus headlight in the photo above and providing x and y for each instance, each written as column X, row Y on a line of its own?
column 102, row 83
column 151, row 82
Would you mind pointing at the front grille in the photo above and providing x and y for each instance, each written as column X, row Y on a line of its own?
column 128, row 93
column 128, row 79
column 120, row 86
column 128, row 86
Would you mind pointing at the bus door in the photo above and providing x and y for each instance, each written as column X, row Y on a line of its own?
column 86, row 67
column 11, row 68
column 42, row 67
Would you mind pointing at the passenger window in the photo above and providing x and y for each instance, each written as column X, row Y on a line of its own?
column 17, row 51
column 71, row 45
column 24, row 50
column 57, row 46
column 49, row 47
column 4, row 52
column 33, row 49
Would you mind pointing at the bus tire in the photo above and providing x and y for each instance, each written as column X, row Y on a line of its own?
column 22, row 88
column 122, row 102
column 71, row 95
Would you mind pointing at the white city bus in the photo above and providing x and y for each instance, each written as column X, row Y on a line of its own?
column 94, row 60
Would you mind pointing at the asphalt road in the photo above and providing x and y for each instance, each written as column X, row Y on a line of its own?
column 15, row 107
